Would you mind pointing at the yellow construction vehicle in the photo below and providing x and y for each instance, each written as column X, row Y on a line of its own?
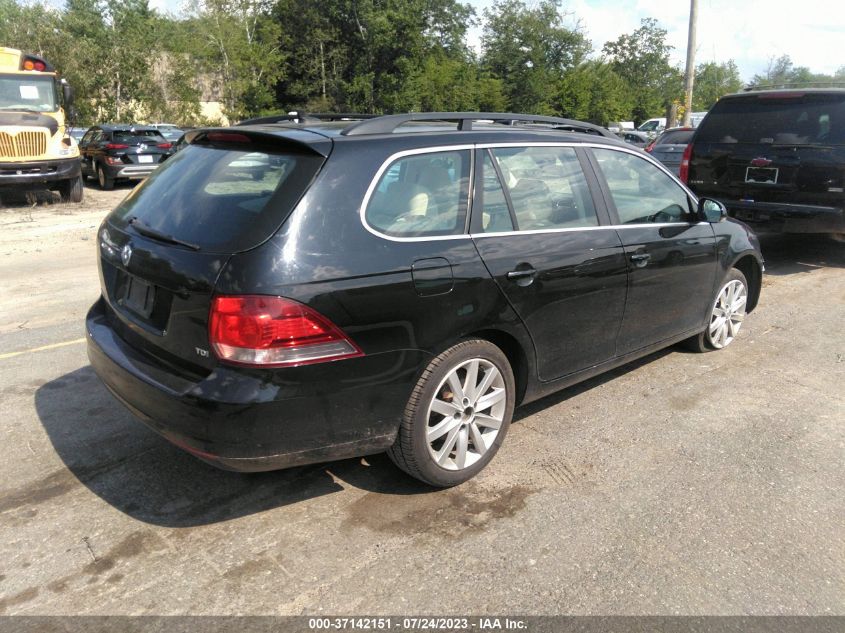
column 36, row 151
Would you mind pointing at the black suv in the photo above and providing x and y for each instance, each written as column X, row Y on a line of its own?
column 399, row 283
column 115, row 152
column 775, row 158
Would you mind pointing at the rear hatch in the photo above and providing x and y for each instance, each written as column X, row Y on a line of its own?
column 777, row 147
column 669, row 147
column 140, row 147
column 163, row 247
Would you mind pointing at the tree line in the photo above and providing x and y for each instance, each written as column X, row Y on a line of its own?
column 127, row 61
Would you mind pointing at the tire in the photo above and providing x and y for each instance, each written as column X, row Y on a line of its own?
column 106, row 182
column 72, row 190
column 458, row 427
column 721, row 330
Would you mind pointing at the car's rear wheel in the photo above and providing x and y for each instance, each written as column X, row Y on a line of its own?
column 457, row 416
column 71, row 190
column 726, row 316
column 106, row 182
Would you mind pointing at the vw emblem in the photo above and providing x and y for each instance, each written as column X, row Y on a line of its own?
column 126, row 254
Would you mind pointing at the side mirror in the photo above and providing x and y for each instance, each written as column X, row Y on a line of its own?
column 67, row 94
column 711, row 210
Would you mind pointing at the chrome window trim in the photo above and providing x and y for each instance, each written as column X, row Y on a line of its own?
column 615, row 227
column 473, row 146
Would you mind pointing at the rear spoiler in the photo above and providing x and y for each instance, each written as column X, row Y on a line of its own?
column 244, row 137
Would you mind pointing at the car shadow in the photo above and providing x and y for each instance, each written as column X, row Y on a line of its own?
column 142, row 475
column 790, row 254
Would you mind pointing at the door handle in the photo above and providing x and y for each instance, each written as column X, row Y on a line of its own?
column 521, row 274
column 640, row 259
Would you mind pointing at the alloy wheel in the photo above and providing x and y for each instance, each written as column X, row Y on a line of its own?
column 466, row 414
column 728, row 314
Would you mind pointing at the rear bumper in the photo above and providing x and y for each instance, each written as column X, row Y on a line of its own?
column 249, row 420
column 38, row 173
column 132, row 172
column 775, row 217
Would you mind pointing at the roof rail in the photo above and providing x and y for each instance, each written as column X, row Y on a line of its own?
column 794, row 85
column 307, row 117
column 387, row 124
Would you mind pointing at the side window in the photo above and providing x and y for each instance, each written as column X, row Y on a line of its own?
column 88, row 137
column 641, row 192
column 548, row 189
column 422, row 195
column 495, row 214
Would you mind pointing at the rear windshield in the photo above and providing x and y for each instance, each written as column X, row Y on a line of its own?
column 678, row 137
column 137, row 136
column 810, row 119
column 221, row 200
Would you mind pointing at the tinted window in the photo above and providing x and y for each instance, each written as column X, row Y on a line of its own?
column 422, row 195
column 678, row 137
column 641, row 191
column 807, row 119
column 547, row 187
column 222, row 200
column 495, row 214
column 136, row 137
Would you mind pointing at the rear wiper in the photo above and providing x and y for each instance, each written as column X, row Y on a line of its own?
column 150, row 232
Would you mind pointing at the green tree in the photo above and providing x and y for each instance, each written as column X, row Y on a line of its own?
column 642, row 58
column 240, row 42
column 530, row 48
column 713, row 81
column 594, row 92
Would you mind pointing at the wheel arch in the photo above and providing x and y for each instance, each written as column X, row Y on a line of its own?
column 515, row 353
column 748, row 265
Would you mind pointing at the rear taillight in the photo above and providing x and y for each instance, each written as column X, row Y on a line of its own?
column 274, row 332
column 165, row 145
column 683, row 173
column 116, row 146
column 650, row 146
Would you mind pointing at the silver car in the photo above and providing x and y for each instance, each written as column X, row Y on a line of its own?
column 669, row 147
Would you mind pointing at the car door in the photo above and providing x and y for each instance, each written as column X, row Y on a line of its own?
column 550, row 250
column 85, row 150
column 671, row 255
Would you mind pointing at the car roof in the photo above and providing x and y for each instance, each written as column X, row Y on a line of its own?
column 753, row 92
column 419, row 130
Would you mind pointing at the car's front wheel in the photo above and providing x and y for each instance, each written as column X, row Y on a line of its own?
column 726, row 316
column 457, row 416
column 72, row 190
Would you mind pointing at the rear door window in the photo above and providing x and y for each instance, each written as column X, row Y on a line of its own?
column 422, row 195
column 546, row 186
column 641, row 192
column 805, row 119
column 222, row 200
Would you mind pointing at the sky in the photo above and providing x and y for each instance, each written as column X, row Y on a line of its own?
column 751, row 32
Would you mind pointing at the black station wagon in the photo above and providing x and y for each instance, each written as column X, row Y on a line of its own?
column 399, row 284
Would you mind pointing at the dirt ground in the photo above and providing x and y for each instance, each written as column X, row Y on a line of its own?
column 680, row 484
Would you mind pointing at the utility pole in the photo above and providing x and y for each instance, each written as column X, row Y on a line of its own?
column 689, row 75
